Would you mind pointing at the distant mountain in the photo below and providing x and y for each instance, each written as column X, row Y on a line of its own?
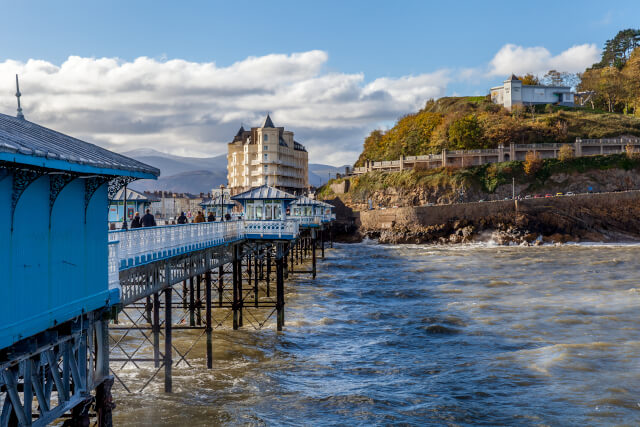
column 200, row 175
column 319, row 174
column 172, row 165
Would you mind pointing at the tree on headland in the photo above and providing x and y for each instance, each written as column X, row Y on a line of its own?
column 565, row 153
column 532, row 163
column 618, row 50
column 529, row 79
column 560, row 78
column 631, row 152
column 466, row 133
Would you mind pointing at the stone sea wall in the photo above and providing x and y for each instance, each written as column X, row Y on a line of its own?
column 583, row 217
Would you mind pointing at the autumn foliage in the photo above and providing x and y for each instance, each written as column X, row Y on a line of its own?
column 532, row 163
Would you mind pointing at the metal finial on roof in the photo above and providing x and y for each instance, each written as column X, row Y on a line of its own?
column 18, row 95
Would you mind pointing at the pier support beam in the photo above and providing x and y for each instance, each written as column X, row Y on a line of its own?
column 256, row 290
column 168, row 383
column 192, row 303
column 268, row 271
column 280, row 260
column 236, row 273
column 207, row 319
column 198, row 302
column 220, row 284
column 156, row 329
column 313, row 253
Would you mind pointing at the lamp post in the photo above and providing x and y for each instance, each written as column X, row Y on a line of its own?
column 221, row 202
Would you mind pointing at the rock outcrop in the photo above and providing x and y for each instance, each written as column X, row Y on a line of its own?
column 601, row 217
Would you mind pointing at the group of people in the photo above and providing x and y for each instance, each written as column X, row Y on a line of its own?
column 148, row 220
column 182, row 219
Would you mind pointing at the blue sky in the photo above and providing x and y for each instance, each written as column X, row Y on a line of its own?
column 460, row 47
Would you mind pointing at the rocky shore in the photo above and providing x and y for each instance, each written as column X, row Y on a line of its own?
column 608, row 217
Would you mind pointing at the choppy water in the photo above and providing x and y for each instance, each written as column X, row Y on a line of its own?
column 471, row 335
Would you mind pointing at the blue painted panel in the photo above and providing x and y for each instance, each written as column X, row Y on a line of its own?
column 7, row 310
column 29, row 256
column 96, row 241
column 66, row 269
column 54, row 273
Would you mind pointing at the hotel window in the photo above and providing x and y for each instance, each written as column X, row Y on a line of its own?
column 266, row 137
column 266, row 156
column 265, row 148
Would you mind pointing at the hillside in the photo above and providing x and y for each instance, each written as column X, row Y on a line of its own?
column 475, row 122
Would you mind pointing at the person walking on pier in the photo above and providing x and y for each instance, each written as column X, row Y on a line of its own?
column 199, row 218
column 136, row 223
column 211, row 217
column 148, row 220
column 182, row 219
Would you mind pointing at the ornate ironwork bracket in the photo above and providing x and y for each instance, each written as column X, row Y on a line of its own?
column 57, row 183
column 91, row 185
column 117, row 183
column 21, row 180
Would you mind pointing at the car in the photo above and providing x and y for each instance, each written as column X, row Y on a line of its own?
column 507, row 198
column 537, row 196
column 481, row 200
column 559, row 194
column 570, row 193
column 528, row 196
column 548, row 195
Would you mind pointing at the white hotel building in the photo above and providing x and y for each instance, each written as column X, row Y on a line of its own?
column 267, row 155
column 513, row 92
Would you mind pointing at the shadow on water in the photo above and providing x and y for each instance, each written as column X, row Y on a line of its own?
column 422, row 334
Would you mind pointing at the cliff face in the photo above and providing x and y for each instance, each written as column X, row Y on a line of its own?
column 609, row 180
column 590, row 217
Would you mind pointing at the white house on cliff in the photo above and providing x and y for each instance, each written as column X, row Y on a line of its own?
column 513, row 92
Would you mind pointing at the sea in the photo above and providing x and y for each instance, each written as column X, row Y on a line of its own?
column 423, row 335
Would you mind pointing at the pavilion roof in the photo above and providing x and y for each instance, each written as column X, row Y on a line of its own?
column 25, row 142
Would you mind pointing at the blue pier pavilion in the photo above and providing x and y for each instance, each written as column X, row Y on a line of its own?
column 57, row 285
column 53, row 216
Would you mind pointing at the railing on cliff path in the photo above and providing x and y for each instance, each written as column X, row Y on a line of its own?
column 492, row 155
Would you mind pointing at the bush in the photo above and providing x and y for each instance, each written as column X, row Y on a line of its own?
column 565, row 153
column 466, row 133
column 532, row 163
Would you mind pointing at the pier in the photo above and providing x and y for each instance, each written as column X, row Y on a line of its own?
column 76, row 296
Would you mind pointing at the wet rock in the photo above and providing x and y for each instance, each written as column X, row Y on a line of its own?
column 440, row 330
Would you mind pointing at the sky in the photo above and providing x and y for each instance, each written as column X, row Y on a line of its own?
column 181, row 77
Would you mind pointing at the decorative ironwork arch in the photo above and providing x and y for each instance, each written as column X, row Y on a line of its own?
column 57, row 182
column 22, row 178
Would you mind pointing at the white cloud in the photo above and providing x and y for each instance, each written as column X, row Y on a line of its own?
column 538, row 60
column 191, row 108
